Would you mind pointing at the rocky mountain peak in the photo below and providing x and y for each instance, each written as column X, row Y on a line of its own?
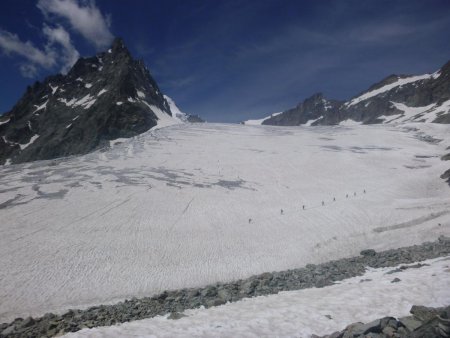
column 396, row 98
column 314, row 99
column 119, row 51
column 107, row 96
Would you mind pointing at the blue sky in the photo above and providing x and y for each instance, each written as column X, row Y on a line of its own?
column 229, row 60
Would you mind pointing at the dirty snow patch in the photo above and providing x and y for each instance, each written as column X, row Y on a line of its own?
column 140, row 94
column 101, row 92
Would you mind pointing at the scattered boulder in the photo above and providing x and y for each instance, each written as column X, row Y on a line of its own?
column 410, row 323
column 426, row 322
column 176, row 315
column 368, row 252
column 423, row 313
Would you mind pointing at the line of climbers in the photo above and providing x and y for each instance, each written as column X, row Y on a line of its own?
column 304, row 207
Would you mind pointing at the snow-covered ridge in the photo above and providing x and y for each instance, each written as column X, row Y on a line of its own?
column 259, row 122
column 164, row 120
column 400, row 82
column 175, row 111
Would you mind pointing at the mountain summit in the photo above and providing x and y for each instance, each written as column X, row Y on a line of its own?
column 102, row 98
column 397, row 98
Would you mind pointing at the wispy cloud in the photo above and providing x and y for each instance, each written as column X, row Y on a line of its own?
column 58, row 35
column 11, row 44
column 58, row 51
column 28, row 70
column 84, row 17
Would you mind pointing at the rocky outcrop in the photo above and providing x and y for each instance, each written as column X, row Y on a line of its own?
column 108, row 96
column 423, row 98
column 424, row 322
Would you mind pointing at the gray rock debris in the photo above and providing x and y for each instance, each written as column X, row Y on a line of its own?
column 424, row 322
column 176, row 301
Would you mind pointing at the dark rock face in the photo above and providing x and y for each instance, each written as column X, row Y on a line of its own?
column 102, row 98
column 377, row 102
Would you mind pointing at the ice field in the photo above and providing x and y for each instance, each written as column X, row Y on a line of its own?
column 192, row 204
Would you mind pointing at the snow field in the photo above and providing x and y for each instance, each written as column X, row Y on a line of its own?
column 304, row 312
column 169, row 209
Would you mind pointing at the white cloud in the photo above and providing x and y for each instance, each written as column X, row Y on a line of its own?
column 83, row 16
column 59, row 51
column 28, row 70
column 60, row 36
column 11, row 44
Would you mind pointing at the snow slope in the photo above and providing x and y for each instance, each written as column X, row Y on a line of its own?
column 169, row 208
column 302, row 313
column 164, row 119
column 417, row 114
column 260, row 121
column 176, row 112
